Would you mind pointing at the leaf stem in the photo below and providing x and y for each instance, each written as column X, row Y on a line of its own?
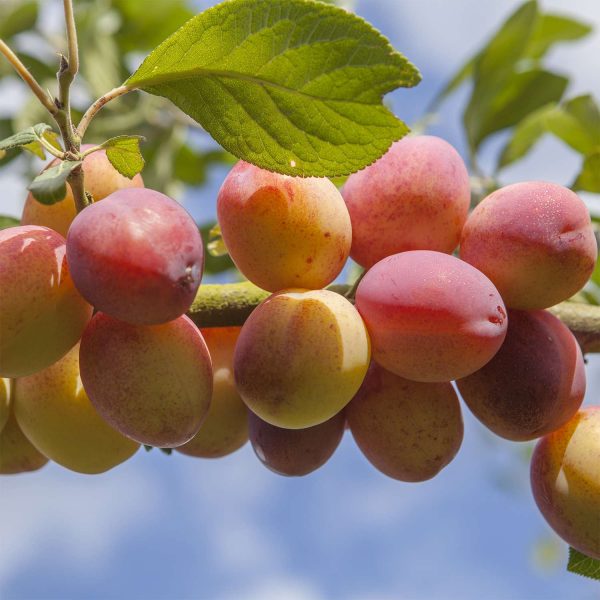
column 90, row 113
column 28, row 78
column 51, row 149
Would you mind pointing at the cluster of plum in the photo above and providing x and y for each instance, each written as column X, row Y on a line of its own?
column 86, row 391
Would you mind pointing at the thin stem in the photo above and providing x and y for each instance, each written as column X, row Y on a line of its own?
column 51, row 149
column 90, row 113
column 28, row 78
column 71, row 38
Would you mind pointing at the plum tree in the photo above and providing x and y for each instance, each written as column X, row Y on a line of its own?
column 295, row 452
column 534, row 384
column 430, row 316
column 17, row 454
column 416, row 197
column 4, row 401
column 153, row 383
column 42, row 315
column 55, row 413
column 534, row 240
column 225, row 428
column 408, row 430
column 101, row 180
column 300, row 357
column 137, row 256
column 565, row 480
column 283, row 232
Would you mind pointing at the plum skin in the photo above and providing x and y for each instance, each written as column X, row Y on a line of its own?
column 101, row 180
column 42, row 314
column 534, row 240
column 55, row 413
column 153, row 383
column 534, row 384
column 295, row 452
column 300, row 357
column 431, row 317
column 406, row 429
column 415, row 197
column 281, row 231
column 136, row 256
column 565, row 480
column 225, row 428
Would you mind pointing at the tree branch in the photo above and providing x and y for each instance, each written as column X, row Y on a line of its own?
column 230, row 304
column 28, row 78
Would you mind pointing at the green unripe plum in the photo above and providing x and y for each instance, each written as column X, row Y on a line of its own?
column 534, row 240
column 415, row 197
column 101, row 180
column 4, row 401
column 17, row 453
column 283, row 232
column 534, row 384
column 225, row 428
column 42, row 315
column 57, row 417
column 300, row 358
column 565, row 480
column 295, row 452
column 408, row 430
column 153, row 383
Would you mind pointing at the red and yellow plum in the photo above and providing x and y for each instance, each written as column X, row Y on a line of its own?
column 408, row 430
column 295, row 452
column 534, row 240
column 101, row 180
column 225, row 428
column 137, row 256
column 282, row 231
column 153, row 383
column 300, row 358
column 430, row 316
column 42, row 315
column 56, row 415
column 565, row 480
column 415, row 197
column 534, row 384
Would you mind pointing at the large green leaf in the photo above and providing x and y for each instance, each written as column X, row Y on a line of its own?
column 578, row 125
column 293, row 86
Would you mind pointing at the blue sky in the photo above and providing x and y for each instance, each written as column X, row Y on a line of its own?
column 175, row 527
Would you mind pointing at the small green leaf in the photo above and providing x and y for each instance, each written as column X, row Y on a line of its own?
column 214, row 263
column 17, row 16
column 50, row 186
column 124, row 154
column 293, row 86
column 216, row 245
column 581, row 564
column 588, row 179
column 6, row 221
column 551, row 29
column 23, row 138
column 36, row 147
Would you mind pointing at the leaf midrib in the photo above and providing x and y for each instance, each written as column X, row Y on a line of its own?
column 235, row 75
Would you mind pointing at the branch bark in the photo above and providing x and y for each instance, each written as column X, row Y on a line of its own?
column 230, row 305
